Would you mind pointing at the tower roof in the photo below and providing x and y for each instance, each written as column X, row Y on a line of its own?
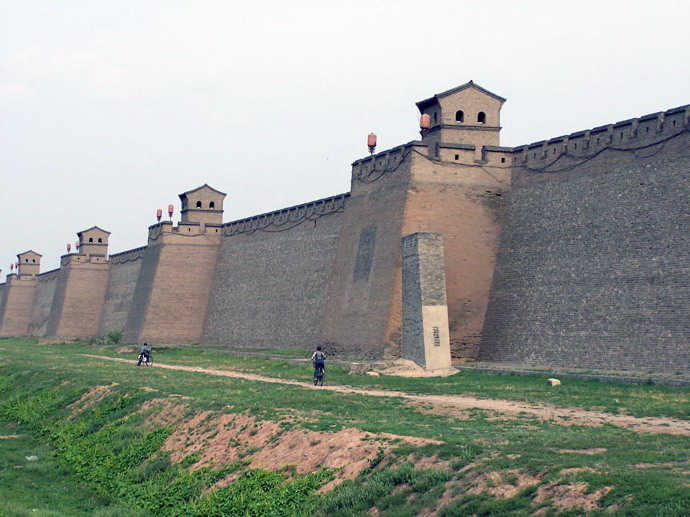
column 92, row 229
column 29, row 252
column 205, row 186
column 431, row 100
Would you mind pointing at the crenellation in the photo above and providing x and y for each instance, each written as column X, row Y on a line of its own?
column 126, row 256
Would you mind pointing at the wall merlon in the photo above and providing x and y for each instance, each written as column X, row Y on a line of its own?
column 126, row 256
column 624, row 135
column 287, row 217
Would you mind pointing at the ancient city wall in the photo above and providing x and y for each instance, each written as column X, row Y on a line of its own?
column 365, row 284
column 78, row 299
column 594, row 268
column 43, row 301
column 172, row 290
column 15, row 308
column 124, row 271
column 465, row 204
column 271, row 277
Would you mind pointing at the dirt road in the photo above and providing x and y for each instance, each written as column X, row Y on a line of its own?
column 455, row 405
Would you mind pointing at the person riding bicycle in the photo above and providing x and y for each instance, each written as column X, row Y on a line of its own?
column 144, row 354
column 318, row 359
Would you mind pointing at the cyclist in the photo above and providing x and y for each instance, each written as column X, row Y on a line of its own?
column 318, row 359
column 144, row 354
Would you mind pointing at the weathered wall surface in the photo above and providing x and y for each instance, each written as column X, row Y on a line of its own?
column 426, row 339
column 124, row 271
column 172, row 290
column 78, row 299
column 272, row 275
column 366, row 281
column 465, row 204
column 43, row 301
column 16, row 307
column 400, row 192
column 3, row 302
column 594, row 264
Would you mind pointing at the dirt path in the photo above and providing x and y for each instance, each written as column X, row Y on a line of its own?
column 456, row 404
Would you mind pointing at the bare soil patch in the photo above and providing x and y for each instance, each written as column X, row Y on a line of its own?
column 9, row 436
column 567, row 497
column 226, row 438
column 503, row 484
column 582, row 451
column 162, row 412
column 91, row 398
column 407, row 368
column 447, row 404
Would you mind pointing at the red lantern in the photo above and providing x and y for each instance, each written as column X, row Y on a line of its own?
column 69, row 247
column 425, row 121
column 11, row 267
column 159, row 214
column 171, row 209
column 76, row 245
column 371, row 142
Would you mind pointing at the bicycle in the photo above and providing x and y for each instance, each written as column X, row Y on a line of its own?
column 145, row 359
column 320, row 374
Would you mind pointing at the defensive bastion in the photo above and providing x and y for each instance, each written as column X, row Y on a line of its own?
column 572, row 251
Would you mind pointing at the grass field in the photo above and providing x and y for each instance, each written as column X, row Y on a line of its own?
column 107, row 461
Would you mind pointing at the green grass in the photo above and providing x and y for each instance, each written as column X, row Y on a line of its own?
column 40, row 487
column 637, row 400
column 109, row 452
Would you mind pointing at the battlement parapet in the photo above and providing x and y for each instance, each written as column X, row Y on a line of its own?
column 374, row 167
column 647, row 131
column 127, row 256
column 77, row 259
column 183, row 228
column 287, row 218
column 49, row 276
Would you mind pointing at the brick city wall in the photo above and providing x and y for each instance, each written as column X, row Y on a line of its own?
column 124, row 271
column 593, row 266
column 272, row 275
column 365, row 280
column 78, row 299
column 43, row 301
column 172, row 291
column 465, row 204
column 15, row 308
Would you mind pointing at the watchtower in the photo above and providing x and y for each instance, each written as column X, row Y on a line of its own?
column 202, row 205
column 29, row 263
column 466, row 114
column 93, row 242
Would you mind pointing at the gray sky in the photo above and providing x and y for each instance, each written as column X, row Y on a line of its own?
column 109, row 109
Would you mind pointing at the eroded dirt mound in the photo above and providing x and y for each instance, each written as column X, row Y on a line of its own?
column 503, row 484
column 407, row 368
column 568, row 497
column 161, row 412
column 226, row 438
column 91, row 398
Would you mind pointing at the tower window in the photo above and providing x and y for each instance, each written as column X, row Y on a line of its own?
column 100, row 240
column 212, row 204
column 198, row 204
column 90, row 239
column 33, row 260
column 435, row 117
column 481, row 117
column 459, row 116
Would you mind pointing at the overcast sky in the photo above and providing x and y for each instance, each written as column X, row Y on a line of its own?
column 111, row 108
